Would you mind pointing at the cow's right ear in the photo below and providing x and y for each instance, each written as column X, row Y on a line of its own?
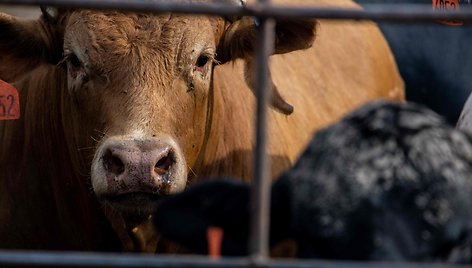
column 25, row 44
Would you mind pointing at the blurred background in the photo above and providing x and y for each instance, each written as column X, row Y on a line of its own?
column 21, row 11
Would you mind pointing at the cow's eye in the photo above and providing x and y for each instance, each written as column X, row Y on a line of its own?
column 74, row 61
column 202, row 62
column 76, row 68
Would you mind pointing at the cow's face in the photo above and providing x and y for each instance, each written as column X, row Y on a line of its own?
column 145, row 83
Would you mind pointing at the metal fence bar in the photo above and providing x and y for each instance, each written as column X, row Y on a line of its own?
column 103, row 260
column 376, row 12
column 260, row 197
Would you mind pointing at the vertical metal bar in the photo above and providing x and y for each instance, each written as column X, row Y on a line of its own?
column 259, row 241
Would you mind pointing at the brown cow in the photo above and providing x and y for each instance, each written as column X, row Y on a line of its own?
column 117, row 109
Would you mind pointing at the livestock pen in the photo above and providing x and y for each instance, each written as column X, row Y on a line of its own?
column 267, row 14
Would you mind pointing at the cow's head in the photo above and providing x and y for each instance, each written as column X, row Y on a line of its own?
column 144, row 82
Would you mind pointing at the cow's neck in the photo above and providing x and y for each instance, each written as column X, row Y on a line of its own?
column 229, row 147
column 45, row 172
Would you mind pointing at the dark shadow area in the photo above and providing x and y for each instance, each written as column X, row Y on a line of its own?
column 434, row 61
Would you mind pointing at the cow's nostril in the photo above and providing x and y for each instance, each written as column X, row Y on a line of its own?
column 113, row 164
column 164, row 164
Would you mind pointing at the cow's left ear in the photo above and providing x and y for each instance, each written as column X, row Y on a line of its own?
column 239, row 40
column 25, row 44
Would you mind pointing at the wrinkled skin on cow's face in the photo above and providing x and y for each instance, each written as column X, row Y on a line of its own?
column 135, row 98
column 148, row 78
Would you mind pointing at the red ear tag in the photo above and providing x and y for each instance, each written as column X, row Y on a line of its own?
column 9, row 102
column 215, row 239
column 448, row 5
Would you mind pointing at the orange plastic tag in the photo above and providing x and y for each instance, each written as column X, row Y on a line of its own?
column 9, row 102
column 448, row 5
column 214, row 238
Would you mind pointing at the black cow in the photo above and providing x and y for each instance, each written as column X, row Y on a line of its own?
column 389, row 182
column 434, row 60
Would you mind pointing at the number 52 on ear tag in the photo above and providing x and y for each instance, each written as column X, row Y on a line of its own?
column 9, row 102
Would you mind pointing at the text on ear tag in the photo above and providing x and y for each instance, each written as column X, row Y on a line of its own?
column 448, row 5
column 9, row 102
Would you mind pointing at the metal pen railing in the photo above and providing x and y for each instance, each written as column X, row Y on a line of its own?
column 377, row 12
column 267, row 14
column 103, row 260
column 259, row 239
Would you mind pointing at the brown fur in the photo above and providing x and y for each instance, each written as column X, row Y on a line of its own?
column 141, row 77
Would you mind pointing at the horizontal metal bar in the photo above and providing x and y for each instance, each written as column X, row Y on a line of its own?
column 376, row 12
column 76, row 259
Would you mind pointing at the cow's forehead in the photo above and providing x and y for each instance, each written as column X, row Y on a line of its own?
column 136, row 27
column 107, row 35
